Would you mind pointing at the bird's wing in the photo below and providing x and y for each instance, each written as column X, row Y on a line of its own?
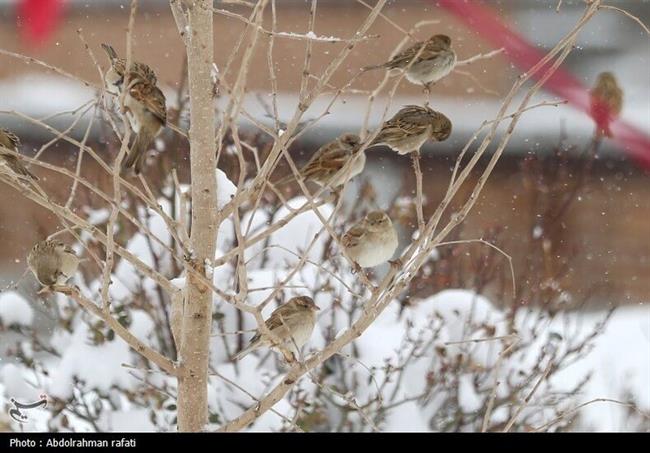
column 327, row 160
column 430, row 51
column 274, row 321
column 410, row 121
column 279, row 317
column 617, row 101
column 144, row 72
column 152, row 98
column 354, row 235
column 612, row 97
column 403, row 58
column 415, row 115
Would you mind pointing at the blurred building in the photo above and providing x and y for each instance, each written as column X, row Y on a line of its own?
column 610, row 226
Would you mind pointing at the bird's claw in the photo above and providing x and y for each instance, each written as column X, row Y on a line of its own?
column 396, row 264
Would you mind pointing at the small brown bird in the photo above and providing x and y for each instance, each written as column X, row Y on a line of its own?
column 411, row 127
column 371, row 241
column 436, row 60
column 52, row 262
column 327, row 167
column 147, row 114
column 10, row 142
column 606, row 103
column 292, row 323
column 144, row 104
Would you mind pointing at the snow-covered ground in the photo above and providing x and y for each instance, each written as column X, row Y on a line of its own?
column 618, row 363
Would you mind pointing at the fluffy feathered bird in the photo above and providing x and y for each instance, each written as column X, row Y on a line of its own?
column 328, row 166
column 10, row 142
column 144, row 104
column 411, row 127
column 431, row 60
column 371, row 241
column 292, row 323
column 52, row 262
column 606, row 102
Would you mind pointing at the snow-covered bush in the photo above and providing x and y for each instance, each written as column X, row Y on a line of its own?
column 430, row 344
column 447, row 361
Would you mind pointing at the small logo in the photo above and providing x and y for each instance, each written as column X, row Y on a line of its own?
column 17, row 412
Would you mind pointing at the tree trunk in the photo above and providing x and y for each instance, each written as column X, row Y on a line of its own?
column 197, row 312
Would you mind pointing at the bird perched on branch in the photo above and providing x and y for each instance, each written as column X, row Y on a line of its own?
column 371, row 241
column 10, row 142
column 52, row 262
column 606, row 103
column 425, row 62
column 144, row 104
column 411, row 127
column 328, row 166
column 292, row 324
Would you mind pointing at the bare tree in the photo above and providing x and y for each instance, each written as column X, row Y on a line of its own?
column 197, row 310
column 186, row 260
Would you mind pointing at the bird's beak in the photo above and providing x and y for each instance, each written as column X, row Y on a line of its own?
column 316, row 307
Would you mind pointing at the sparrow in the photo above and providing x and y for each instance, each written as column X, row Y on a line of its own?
column 413, row 125
column 144, row 104
column 328, row 166
column 435, row 61
column 52, row 262
column 146, row 111
column 371, row 241
column 292, row 323
column 10, row 142
column 606, row 103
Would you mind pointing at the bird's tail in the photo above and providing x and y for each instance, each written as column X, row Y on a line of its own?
column 110, row 51
column 137, row 154
column 372, row 67
column 378, row 140
column 14, row 163
column 22, row 171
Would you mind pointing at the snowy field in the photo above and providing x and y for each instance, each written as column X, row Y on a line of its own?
column 619, row 365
